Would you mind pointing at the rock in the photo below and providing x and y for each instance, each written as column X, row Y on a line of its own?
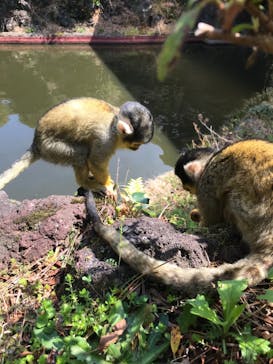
column 31, row 228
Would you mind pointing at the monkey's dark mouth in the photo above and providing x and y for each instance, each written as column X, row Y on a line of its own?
column 134, row 148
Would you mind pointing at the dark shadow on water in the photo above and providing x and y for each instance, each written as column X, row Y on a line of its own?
column 212, row 80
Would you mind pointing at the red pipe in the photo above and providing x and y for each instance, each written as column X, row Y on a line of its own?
column 81, row 39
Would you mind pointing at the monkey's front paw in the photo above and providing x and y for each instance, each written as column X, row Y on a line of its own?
column 109, row 191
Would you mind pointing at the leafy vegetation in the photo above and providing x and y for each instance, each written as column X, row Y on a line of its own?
column 125, row 327
column 230, row 293
column 95, row 331
column 246, row 23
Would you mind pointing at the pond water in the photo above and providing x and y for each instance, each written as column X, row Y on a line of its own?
column 208, row 80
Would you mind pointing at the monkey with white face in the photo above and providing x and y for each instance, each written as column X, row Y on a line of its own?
column 84, row 133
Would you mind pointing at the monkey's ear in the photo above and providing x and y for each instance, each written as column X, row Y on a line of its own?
column 194, row 169
column 124, row 127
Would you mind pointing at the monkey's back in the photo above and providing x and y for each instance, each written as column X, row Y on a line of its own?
column 246, row 165
column 239, row 181
column 77, row 119
column 67, row 132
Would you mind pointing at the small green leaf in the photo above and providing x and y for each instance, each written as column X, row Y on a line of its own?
column 171, row 48
column 267, row 296
column 144, row 314
column 87, row 279
column 243, row 26
column 186, row 319
column 140, row 198
column 82, row 351
column 230, row 293
column 48, row 338
column 200, row 307
column 43, row 359
column 114, row 350
column 23, row 282
column 47, row 313
column 234, row 314
column 78, row 345
column 252, row 346
column 117, row 313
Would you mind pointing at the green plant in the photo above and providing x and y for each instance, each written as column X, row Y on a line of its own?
column 230, row 293
column 83, row 329
column 29, row 30
column 135, row 197
column 97, row 4
column 252, row 346
column 134, row 190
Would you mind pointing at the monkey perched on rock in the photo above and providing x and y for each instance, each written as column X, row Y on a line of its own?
column 233, row 186
column 85, row 133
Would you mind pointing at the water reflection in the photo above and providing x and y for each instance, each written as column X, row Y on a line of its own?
column 33, row 79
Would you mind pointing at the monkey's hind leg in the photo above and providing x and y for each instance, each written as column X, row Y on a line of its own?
column 86, row 180
column 100, row 173
column 59, row 152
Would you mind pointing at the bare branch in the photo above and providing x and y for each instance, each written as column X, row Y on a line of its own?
column 264, row 19
column 262, row 42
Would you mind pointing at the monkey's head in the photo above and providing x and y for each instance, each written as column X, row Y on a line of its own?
column 135, row 124
column 190, row 166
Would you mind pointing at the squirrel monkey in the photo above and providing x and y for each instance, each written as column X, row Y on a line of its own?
column 85, row 133
column 234, row 186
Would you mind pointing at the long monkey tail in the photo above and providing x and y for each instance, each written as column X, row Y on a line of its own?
column 190, row 280
column 18, row 167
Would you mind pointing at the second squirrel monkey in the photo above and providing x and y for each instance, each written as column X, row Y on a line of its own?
column 235, row 186
column 85, row 133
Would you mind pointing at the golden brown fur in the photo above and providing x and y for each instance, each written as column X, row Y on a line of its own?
column 85, row 133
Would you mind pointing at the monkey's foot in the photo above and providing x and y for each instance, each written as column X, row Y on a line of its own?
column 102, row 191
column 81, row 191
